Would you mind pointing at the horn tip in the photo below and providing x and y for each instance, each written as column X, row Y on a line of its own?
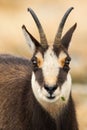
column 23, row 26
column 72, row 7
column 75, row 25
column 29, row 9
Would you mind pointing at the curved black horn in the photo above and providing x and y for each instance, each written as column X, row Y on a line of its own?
column 61, row 26
column 41, row 32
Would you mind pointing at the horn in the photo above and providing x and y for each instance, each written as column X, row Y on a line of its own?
column 61, row 26
column 41, row 32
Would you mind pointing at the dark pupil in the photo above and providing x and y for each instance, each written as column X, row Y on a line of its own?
column 66, row 65
column 67, row 62
column 34, row 61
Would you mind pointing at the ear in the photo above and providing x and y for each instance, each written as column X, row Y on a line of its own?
column 32, row 42
column 67, row 37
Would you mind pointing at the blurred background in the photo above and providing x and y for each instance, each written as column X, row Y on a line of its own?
column 13, row 14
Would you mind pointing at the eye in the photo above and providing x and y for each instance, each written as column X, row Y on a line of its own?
column 35, row 63
column 66, row 64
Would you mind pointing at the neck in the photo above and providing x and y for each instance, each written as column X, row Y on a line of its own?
column 53, row 107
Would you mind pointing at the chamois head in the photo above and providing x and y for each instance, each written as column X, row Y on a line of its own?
column 50, row 76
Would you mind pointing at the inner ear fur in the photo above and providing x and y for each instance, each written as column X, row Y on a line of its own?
column 37, row 44
column 67, row 37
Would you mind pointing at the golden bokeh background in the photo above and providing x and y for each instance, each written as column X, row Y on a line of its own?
column 13, row 14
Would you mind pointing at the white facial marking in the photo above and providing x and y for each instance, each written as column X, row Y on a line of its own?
column 61, row 58
column 62, row 55
column 52, row 106
column 50, row 67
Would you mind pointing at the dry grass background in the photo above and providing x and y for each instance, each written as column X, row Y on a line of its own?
column 13, row 14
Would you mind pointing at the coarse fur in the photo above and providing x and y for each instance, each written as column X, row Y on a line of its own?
column 36, row 93
column 19, row 110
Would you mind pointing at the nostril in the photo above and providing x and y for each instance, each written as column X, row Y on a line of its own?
column 54, row 88
column 50, row 89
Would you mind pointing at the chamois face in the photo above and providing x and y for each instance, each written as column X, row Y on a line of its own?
column 50, row 78
column 50, row 81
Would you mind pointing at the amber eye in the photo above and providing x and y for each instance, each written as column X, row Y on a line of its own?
column 35, row 63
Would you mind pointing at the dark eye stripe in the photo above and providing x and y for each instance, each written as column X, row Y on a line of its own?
column 61, row 77
column 39, row 77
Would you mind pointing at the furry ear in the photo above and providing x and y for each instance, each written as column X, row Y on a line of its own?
column 67, row 37
column 32, row 42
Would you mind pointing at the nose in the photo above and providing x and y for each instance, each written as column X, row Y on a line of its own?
column 50, row 89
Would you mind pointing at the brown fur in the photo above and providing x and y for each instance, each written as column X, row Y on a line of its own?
column 14, row 74
column 19, row 110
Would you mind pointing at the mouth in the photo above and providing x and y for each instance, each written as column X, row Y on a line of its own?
column 51, row 97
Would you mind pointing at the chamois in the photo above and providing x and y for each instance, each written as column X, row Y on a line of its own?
column 35, row 94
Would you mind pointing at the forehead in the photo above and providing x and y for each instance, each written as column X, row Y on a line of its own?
column 52, row 52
